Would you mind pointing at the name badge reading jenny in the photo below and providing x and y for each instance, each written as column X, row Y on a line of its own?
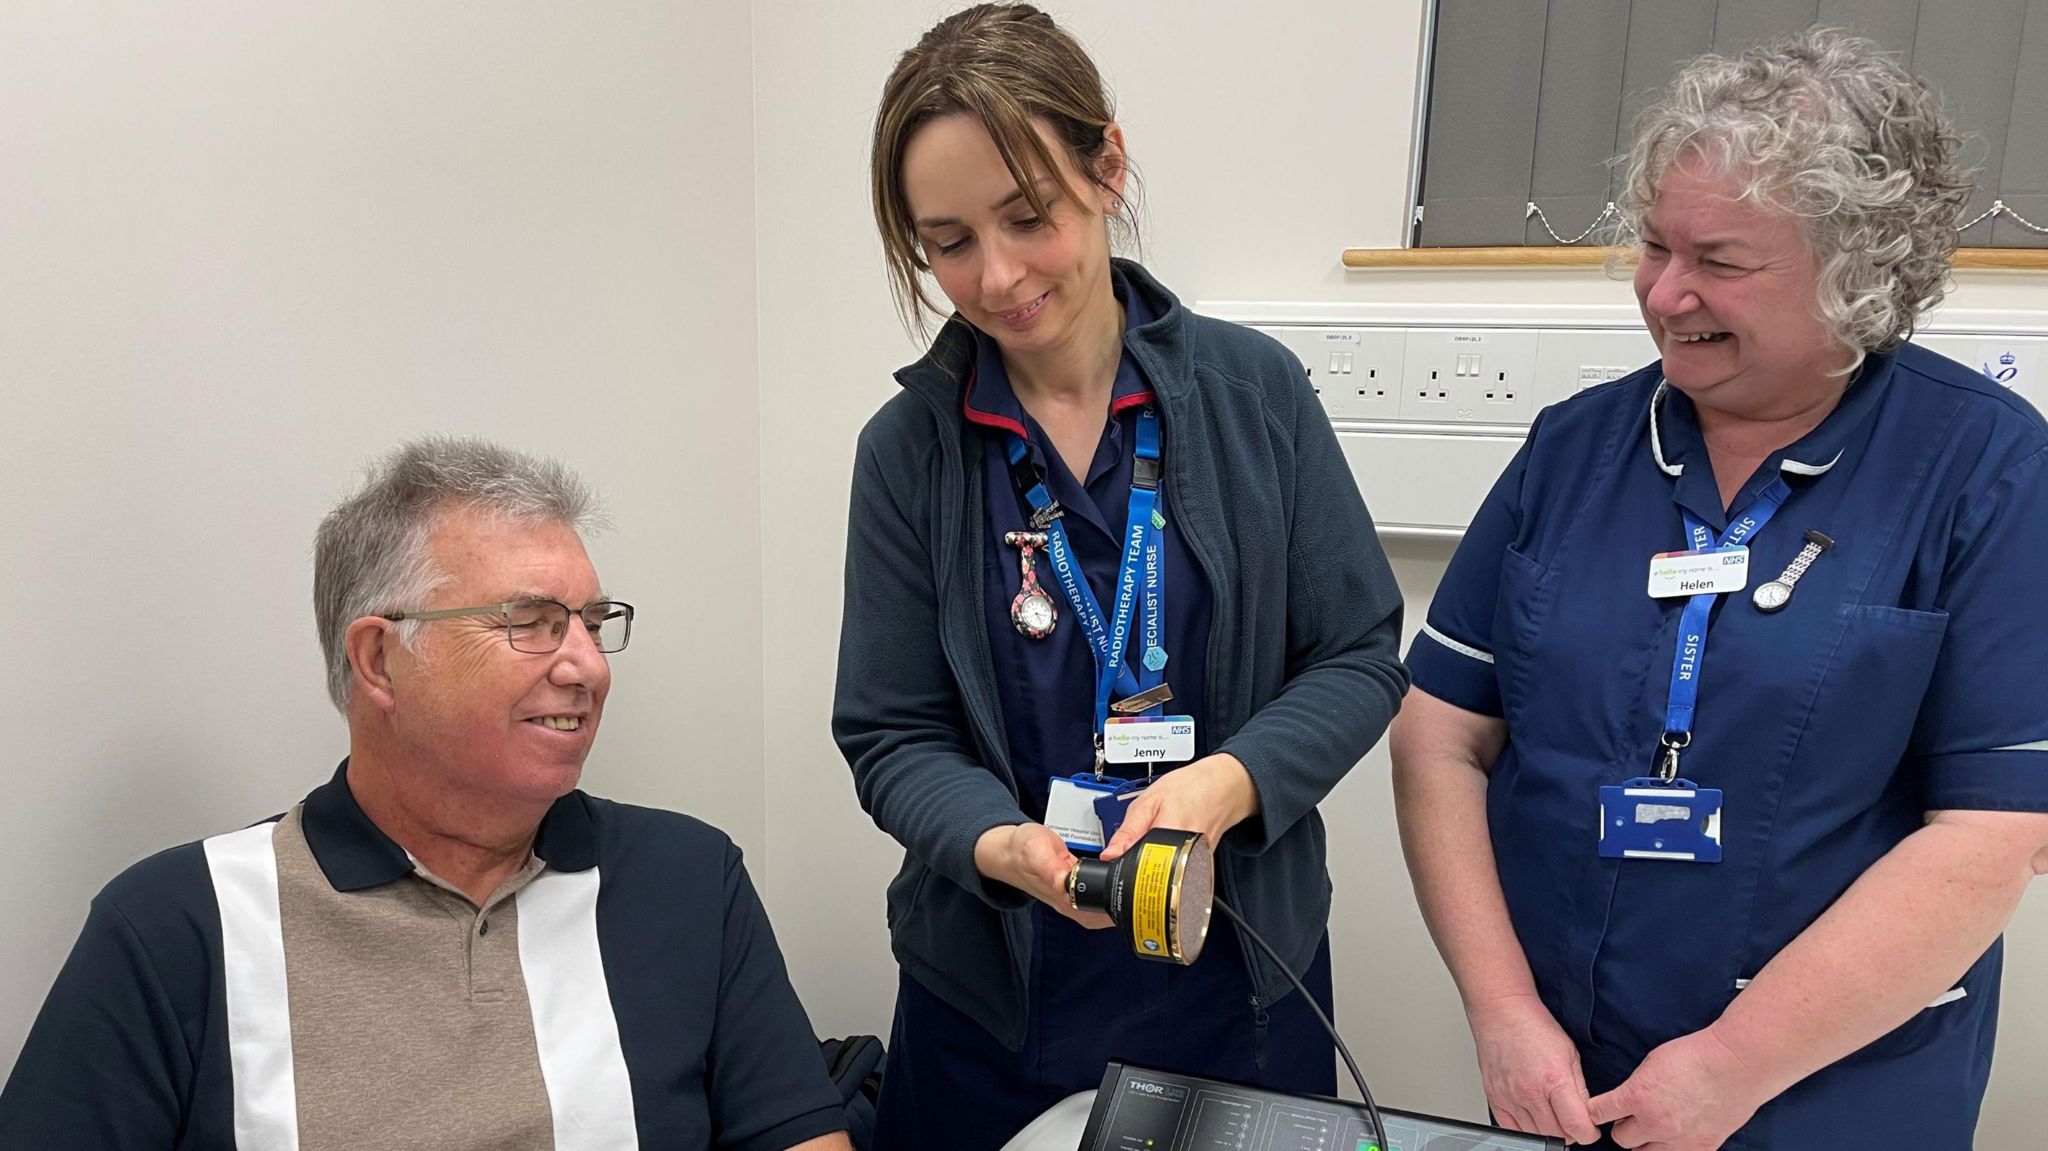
column 1148, row 739
column 1697, row 572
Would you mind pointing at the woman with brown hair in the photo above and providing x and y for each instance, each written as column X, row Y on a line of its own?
column 1087, row 506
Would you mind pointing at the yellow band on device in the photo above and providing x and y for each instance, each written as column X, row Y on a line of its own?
column 1149, row 898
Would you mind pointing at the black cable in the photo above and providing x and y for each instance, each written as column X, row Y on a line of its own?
column 1371, row 1108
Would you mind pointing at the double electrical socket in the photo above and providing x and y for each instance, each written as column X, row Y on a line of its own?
column 1356, row 372
column 1473, row 376
column 1418, row 375
column 1458, row 377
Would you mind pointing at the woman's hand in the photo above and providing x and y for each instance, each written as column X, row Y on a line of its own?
column 1032, row 858
column 1530, row 1070
column 1688, row 1095
column 1210, row 796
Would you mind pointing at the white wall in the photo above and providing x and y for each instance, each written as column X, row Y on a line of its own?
column 1271, row 136
column 246, row 245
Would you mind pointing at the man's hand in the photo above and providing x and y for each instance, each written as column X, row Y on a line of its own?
column 1032, row 858
column 838, row 1142
column 1530, row 1070
column 1690, row 1094
column 1210, row 796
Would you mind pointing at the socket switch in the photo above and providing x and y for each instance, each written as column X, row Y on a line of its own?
column 1356, row 372
column 1469, row 376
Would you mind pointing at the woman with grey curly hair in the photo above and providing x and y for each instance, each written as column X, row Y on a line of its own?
column 1701, row 859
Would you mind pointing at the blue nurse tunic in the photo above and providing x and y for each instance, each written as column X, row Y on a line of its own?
column 949, row 1083
column 1903, row 677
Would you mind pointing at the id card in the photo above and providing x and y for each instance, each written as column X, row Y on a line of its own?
column 1642, row 819
column 1070, row 809
column 1692, row 573
column 1148, row 739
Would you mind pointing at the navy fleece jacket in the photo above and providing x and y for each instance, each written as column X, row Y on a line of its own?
column 1304, row 672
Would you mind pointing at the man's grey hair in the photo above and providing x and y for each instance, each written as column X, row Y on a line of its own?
column 370, row 556
column 1827, row 128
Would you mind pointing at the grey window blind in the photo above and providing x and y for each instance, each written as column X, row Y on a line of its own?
column 1529, row 98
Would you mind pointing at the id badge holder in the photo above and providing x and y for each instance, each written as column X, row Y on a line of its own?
column 1646, row 818
column 1111, row 808
column 1071, row 809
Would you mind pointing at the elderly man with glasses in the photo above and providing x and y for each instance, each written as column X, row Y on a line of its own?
column 446, row 946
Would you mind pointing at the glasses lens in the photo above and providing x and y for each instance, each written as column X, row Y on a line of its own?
column 536, row 627
column 610, row 624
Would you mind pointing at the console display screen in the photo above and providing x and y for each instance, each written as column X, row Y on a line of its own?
column 1140, row 1109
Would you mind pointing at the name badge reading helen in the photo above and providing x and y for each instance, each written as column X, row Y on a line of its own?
column 1148, row 739
column 1698, row 572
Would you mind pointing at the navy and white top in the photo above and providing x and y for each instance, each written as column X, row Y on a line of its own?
column 1904, row 676
column 304, row 985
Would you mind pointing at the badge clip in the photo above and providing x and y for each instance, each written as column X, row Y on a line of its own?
column 1667, row 764
column 1149, row 698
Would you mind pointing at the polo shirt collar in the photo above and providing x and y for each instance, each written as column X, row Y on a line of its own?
column 1162, row 348
column 1676, row 441
column 989, row 400
column 355, row 854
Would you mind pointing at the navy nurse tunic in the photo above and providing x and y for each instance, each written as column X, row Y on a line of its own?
column 949, row 1083
column 1904, row 676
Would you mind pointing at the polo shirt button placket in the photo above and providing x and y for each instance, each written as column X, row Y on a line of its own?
column 493, row 957
column 483, row 986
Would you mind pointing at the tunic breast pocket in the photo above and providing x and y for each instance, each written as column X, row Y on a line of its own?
column 1872, row 686
column 1566, row 654
column 1834, row 795
column 1519, row 614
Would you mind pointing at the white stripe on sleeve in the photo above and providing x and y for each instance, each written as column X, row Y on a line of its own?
column 573, row 1025
column 2037, row 745
column 244, row 868
column 1952, row 995
column 1463, row 649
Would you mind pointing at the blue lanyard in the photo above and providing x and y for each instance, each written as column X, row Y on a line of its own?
column 1691, row 650
column 1141, row 575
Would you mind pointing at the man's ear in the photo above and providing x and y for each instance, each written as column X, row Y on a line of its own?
column 367, row 642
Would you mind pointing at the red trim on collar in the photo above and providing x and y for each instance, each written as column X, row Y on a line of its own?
column 992, row 420
column 987, row 419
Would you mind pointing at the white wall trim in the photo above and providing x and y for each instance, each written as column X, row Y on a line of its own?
column 1957, row 321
